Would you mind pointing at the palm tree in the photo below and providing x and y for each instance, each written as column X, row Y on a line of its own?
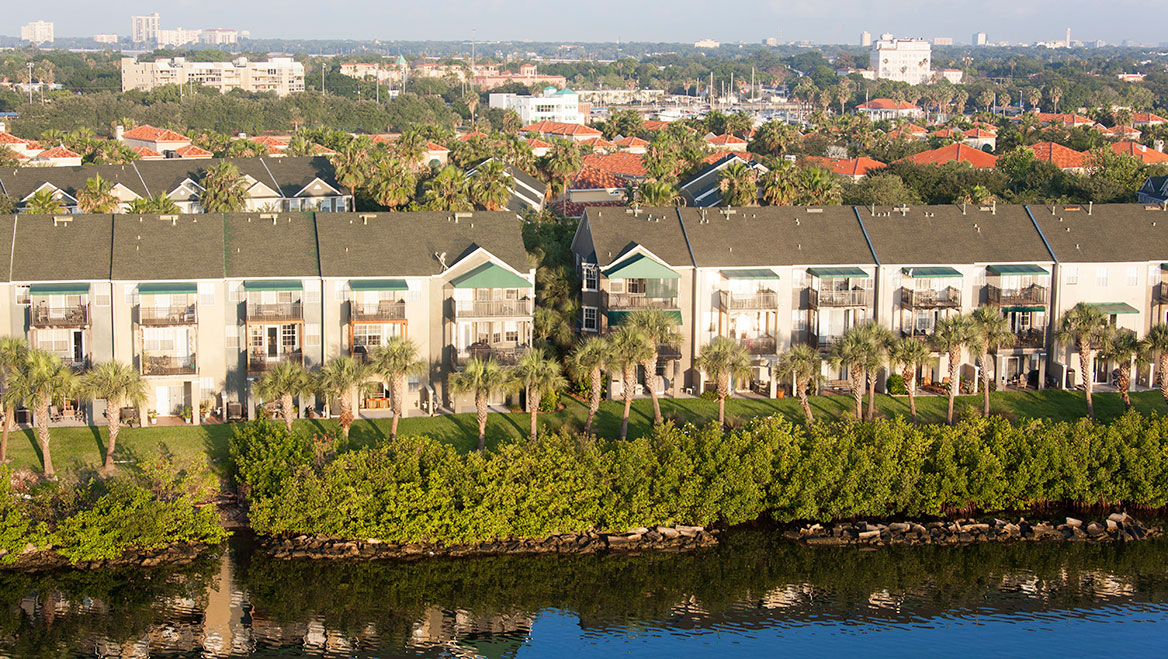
column 119, row 385
column 161, row 203
column 43, row 202
column 283, row 383
column 351, row 164
column 97, row 196
column 991, row 332
column 561, row 161
column 42, row 381
column 396, row 361
column 391, row 182
column 875, row 355
column 804, row 364
column 818, row 187
column 660, row 328
column 780, row 185
column 139, row 206
column 447, row 191
column 483, row 377
column 1081, row 328
column 1123, row 346
column 539, row 375
column 490, row 187
column 589, row 360
column 409, row 146
column 658, row 193
column 908, row 354
column 13, row 353
column 951, row 336
column 737, row 182
column 1155, row 344
column 851, row 351
column 342, row 377
column 223, row 189
column 724, row 358
column 629, row 347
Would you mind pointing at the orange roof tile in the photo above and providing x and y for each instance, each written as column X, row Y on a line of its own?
column 631, row 141
column 146, row 153
column 1148, row 117
column 58, row 152
column 847, row 166
column 627, row 164
column 536, row 143
column 598, row 143
column 434, row 146
column 1146, row 154
column 1062, row 157
column 319, row 150
column 149, row 133
column 6, row 138
column 978, row 133
column 722, row 140
column 653, row 125
column 716, row 156
column 948, row 132
column 559, row 128
column 591, row 178
column 954, row 153
column 192, row 151
column 886, row 104
column 270, row 141
column 471, row 135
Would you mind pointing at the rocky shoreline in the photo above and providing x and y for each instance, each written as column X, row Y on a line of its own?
column 658, row 538
column 1118, row 527
column 34, row 559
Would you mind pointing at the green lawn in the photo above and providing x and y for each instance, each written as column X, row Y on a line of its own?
column 77, row 449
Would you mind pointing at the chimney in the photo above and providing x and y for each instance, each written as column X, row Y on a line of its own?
column 1157, row 145
column 119, row 131
column 3, row 127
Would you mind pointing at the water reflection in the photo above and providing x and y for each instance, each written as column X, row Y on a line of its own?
column 753, row 594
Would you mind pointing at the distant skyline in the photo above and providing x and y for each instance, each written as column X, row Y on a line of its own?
column 683, row 21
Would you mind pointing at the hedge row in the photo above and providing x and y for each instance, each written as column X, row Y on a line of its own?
column 420, row 489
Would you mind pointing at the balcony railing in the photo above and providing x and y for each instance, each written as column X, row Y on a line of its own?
column 168, row 365
column 929, row 298
column 1027, row 296
column 635, row 301
column 1162, row 292
column 382, row 311
column 68, row 358
column 765, row 299
column 180, row 315
column 1031, row 338
column 857, row 297
column 259, row 362
column 492, row 308
column 759, row 345
column 46, row 316
column 917, row 333
column 276, row 312
column 506, row 355
column 823, row 341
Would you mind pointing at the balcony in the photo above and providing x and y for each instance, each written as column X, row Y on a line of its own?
column 69, row 358
column 1028, row 296
column 507, row 355
column 636, row 301
column 46, row 316
column 275, row 313
column 162, row 316
column 1031, row 338
column 823, row 341
column 383, row 311
column 759, row 345
column 832, row 298
column 492, row 308
column 1161, row 294
column 929, row 298
column 919, row 334
column 764, row 299
column 168, row 365
column 261, row 362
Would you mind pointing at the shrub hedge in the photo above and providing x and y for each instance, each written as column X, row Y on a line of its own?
column 418, row 489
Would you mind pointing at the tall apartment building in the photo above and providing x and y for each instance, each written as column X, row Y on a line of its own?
column 281, row 75
column 865, row 39
column 179, row 36
column 144, row 29
column 37, row 32
column 979, row 39
column 219, row 36
column 558, row 105
column 105, row 38
column 902, row 60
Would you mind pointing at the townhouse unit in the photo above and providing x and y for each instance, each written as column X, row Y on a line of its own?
column 204, row 305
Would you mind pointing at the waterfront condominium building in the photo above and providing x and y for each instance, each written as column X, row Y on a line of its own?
column 37, row 32
column 144, row 29
column 281, row 75
column 555, row 105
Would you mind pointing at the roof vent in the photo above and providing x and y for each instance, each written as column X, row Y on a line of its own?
column 173, row 219
column 441, row 256
column 61, row 220
column 365, row 217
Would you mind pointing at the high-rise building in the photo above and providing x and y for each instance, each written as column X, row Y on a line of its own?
column 144, row 28
column 978, row 39
column 866, row 39
column 105, row 38
column 37, row 32
column 281, row 75
column 903, row 60
column 218, row 35
column 942, row 41
column 179, row 36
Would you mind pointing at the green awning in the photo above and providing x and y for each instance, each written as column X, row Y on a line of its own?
column 59, row 289
column 274, row 285
column 931, row 273
column 378, row 285
column 1164, row 266
column 168, row 288
column 1023, row 269
column 836, row 273
column 617, row 317
column 1116, row 308
column 1023, row 309
column 640, row 267
column 753, row 274
column 489, row 275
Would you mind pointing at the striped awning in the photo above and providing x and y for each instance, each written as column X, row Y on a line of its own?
column 274, row 285
column 1114, row 308
column 931, row 272
column 378, row 285
column 72, row 288
column 837, row 273
column 751, row 274
column 1017, row 269
column 168, row 288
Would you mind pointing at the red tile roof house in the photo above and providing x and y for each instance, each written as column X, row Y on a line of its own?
column 19, row 146
column 627, row 166
column 57, row 156
column 886, row 108
column 908, row 132
column 1147, row 154
column 146, row 153
column 1064, row 158
column 727, row 143
column 632, row 145
column 954, row 153
column 1120, row 132
column 1143, row 119
column 192, row 152
column 599, row 144
column 592, row 185
column 852, row 169
column 539, row 148
column 979, row 139
column 1052, row 118
column 575, row 132
column 158, row 139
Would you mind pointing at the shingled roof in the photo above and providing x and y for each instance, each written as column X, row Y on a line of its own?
column 1111, row 233
column 275, row 245
column 776, row 235
column 615, row 231
column 62, row 248
column 174, row 247
column 924, row 235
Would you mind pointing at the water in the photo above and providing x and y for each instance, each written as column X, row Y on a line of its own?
column 755, row 595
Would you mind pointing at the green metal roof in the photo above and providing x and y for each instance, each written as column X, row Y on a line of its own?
column 489, row 275
column 1022, row 269
column 836, row 273
column 931, row 273
column 378, row 285
column 755, row 273
column 617, row 317
column 1023, row 309
column 640, row 267
column 274, row 285
column 168, row 288
column 1117, row 308
column 59, row 289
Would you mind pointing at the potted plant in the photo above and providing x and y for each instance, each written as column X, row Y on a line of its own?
column 187, row 413
column 205, row 410
column 152, row 415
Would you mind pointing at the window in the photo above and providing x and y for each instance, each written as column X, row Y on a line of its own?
column 1153, row 275
column 313, row 335
column 616, row 286
column 590, row 276
column 590, row 320
column 158, row 339
column 288, row 338
column 22, row 295
column 207, row 294
column 799, row 320
column 231, row 336
column 1133, row 276
column 312, row 291
column 1101, row 277
column 511, row 332
column 1072, row 277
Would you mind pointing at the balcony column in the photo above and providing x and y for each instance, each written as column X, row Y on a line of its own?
column 999, row 369
column 1042, row 370
column 196, row 399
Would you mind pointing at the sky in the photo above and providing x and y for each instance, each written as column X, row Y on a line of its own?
column 819, row 21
